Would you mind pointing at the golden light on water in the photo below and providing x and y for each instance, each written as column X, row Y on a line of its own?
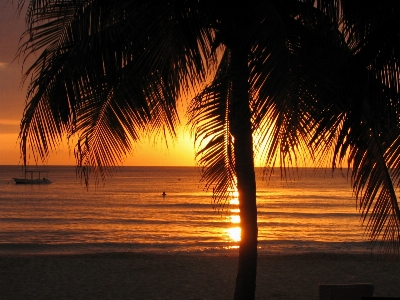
column 235, row 194
column 235, row 219
column 234, row 201
column 234, row 233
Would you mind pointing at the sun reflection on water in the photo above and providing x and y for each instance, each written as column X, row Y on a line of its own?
column 234, row 201
column 234, row 233
column 235, row 219
column 234, row 230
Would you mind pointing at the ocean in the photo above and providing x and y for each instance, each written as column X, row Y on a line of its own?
column 312, row 211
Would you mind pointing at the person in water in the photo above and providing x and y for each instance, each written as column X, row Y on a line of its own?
column 164, row 194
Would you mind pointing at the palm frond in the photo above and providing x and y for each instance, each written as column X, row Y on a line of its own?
column 208, row 115
column 109, row 66
column 362, row 125
column 294, row 76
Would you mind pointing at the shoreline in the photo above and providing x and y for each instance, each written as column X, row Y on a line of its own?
column 129, row 275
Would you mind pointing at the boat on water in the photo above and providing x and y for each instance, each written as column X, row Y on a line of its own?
column 32, row 179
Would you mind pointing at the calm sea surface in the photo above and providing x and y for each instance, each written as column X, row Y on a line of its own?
column 314, row 212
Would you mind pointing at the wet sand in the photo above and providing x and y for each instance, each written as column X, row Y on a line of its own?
column 151, row 276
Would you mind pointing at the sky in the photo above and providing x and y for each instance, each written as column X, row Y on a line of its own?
column 12, row 103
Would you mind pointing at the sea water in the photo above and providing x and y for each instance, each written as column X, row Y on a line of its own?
column 312, row 210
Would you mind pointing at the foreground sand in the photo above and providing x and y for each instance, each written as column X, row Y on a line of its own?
column 148, row 276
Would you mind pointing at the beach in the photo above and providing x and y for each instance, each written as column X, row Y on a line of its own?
column 172, row 276
column 126, row 241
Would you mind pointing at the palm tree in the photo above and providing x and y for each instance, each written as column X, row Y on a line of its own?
column 360, row 118
column 297, row 74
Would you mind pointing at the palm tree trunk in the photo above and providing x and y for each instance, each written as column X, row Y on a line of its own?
column 241, row 129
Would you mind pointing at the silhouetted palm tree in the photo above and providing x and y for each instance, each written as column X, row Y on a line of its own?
column 301, row 76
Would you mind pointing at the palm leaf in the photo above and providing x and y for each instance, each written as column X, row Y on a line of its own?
column 363, row 124
column 109, row 74
column 208, row 115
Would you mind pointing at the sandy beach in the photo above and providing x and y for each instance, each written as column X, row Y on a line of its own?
column 151, row 276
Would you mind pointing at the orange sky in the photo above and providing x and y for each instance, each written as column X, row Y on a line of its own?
column 12, row 102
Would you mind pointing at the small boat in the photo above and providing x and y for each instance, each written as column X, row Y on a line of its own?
column 32, row 180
